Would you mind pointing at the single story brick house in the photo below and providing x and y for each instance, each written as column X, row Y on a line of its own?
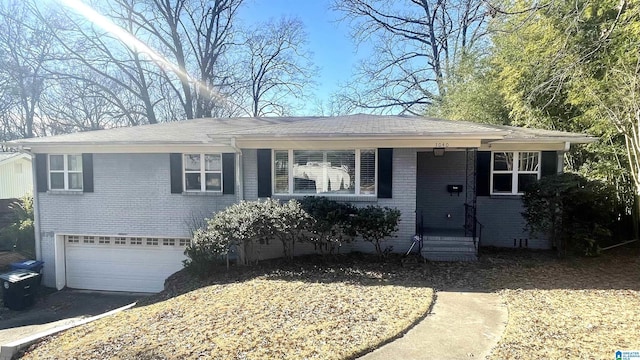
column 114, row 208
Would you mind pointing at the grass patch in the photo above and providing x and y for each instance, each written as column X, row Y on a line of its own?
column 310, row 312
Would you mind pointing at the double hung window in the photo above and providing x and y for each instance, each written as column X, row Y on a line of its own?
column 65, row 172
column 513, row 171
column 203, row 172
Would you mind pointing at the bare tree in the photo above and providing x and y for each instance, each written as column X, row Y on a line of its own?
column 95, row 64
column 277, row 65
column 25, row 46
column 78, row 105
column 417, row 44
column 193, row 36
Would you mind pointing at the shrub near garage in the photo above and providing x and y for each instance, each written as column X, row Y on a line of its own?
column 246, row 226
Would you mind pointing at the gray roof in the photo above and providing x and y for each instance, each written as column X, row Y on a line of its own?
column 179, row 132
column 368, row 125
column 204, row 131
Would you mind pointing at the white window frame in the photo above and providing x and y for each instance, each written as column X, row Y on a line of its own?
column 357, row 173
column 65, row 171
column 203, row 173
column 514, row 171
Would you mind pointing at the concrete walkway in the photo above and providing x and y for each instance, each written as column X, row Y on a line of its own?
column 461, row 325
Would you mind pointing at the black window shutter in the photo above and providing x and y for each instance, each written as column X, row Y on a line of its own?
column 264, row 172
column 175, row 164
column 549, row 163
column 87, row 172
column 42, row 182
column 228, row 173
column 385, row 173
column 483, row 173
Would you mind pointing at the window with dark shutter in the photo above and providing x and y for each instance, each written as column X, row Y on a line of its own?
column 228, row 173
column 264, row 172
column 175, row 164
column 483, row 173
column 549, row 163
column 87, row 173
column 385, row 173
column 42, row 173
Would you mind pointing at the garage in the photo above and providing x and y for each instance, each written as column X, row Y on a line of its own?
column 115, row 263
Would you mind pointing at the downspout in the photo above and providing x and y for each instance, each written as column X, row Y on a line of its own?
column 240, row 196
column 560, row 167
column 239, row 172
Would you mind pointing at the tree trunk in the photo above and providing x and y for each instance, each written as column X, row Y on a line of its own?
column 635, row 216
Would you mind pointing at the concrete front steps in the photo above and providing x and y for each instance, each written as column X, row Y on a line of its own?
column 449, row 248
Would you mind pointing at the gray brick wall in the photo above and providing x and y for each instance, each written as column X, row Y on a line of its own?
column 404, row 188
column 403, row 198
column 131, row 197
column 503, row 222
column 250, row 171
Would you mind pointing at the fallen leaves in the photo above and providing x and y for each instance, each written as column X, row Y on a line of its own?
column 264, row 317
column 582, row 308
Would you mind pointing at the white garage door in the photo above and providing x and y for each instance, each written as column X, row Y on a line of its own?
column 122, row 263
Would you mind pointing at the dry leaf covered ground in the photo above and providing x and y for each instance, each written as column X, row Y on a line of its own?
column 574, row 309
column 308, row 312
column 582, row 308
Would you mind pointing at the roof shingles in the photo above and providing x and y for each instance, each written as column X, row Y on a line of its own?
column 203, row 131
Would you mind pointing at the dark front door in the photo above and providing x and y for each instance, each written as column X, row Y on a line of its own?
column 440, row 209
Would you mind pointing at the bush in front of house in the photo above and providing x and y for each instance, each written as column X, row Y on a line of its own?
column 244, row 227
column 327, row 224
column 20, row 234
column 375, row 224
column 578, row 214
column 333, row 223
column 291, row 224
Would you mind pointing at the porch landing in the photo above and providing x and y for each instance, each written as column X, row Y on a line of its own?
column 448, row 245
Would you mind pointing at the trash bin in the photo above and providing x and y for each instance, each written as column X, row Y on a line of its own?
column 33, row 265
column 19, row 288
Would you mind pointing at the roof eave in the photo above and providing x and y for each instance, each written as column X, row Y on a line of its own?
column 569, row 139
column 367, row 136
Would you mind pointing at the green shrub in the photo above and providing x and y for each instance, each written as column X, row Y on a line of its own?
column 20, row 235
column 333, row 223
column 291, row 225
column 246, row 226
column 578, row 214
column 375, row 224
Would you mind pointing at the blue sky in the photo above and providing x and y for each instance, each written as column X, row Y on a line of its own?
column 334, row 51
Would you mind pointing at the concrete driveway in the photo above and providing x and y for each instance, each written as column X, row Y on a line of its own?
column 58, row 309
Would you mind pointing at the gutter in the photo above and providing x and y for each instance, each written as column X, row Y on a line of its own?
column 239, row 172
